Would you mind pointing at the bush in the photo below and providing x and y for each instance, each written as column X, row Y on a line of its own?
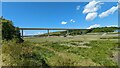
column 9, row 31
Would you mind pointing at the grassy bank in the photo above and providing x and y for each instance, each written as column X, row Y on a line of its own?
column 60, row 52
column 21, row 54
column 100, row 53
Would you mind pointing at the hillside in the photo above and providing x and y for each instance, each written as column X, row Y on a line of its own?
column 80, row 32
column 46, row 52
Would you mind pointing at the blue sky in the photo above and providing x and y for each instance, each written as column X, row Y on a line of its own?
column 61, row 14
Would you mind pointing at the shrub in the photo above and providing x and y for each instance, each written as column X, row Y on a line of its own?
column 9, row 31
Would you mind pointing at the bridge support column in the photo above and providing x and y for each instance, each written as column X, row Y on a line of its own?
column 67, row 32
column 22, row 33
column 48, row 33
column 82, row 31
column 76, row 32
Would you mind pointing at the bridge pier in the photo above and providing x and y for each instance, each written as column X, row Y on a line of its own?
column 48, row 29
column 67, row 32
column 82, row 32
column 22, row 33
column 48, row 32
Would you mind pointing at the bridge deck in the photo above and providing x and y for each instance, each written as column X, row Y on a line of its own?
column 50, row 29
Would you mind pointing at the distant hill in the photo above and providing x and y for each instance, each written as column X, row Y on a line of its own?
column 80, row 32
column 105, row 29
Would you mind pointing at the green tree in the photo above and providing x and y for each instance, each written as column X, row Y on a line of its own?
column 9, row 31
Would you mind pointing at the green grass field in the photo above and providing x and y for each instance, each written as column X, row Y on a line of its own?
column 94, row 47
column 80, row 50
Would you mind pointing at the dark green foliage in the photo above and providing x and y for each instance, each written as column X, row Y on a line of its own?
column 80, row 32
column 99, row 29
column 9, row 31
column 110, row 37
column 105, row 29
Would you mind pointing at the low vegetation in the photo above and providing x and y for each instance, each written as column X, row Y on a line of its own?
column 80, row 50
column 29, row 53
column 23, row 54
column 81, row 32
column 76, row 51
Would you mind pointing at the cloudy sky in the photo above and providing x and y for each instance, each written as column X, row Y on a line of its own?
column 84, row 15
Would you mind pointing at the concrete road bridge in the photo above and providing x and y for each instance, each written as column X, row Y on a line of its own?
column 48, row 29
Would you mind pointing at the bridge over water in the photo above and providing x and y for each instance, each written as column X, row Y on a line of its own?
column 48, row 29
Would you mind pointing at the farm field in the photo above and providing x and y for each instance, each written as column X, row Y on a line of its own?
column 80, row 50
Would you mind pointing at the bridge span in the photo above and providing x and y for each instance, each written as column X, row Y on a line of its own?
column 48, row 29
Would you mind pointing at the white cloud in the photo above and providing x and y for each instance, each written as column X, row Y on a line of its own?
column 78, row 7
column 63, row 22
column 91, row 9
column 108, row 12
column 119, row 6
column 118, row 1
column 72, row 20
column 94, row 26
column 91, row 16
column 112, row 26
column 25, row 34
column 92, row 6
column 40, row 33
